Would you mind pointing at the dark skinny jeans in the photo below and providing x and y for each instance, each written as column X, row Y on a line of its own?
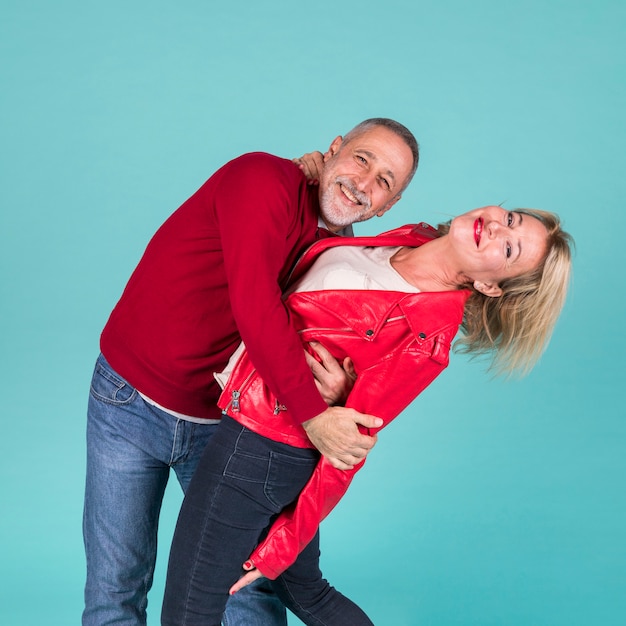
column 242, row 482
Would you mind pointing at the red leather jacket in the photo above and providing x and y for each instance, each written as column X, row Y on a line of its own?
column 398, row 342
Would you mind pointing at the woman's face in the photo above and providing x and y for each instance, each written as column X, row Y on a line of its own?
column 492, row 244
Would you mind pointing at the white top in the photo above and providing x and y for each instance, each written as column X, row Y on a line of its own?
column 343, row 267
column 354, row 267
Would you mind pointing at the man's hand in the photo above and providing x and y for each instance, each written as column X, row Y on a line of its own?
column 311, row 165
column 336, row 435
column 334, row 380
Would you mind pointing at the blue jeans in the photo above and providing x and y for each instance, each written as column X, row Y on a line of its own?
column 243, row 481
column 131, row 446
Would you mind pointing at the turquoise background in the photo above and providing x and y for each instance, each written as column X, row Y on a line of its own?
column 487, row 502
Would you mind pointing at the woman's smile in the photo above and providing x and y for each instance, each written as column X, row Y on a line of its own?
column 478, row 229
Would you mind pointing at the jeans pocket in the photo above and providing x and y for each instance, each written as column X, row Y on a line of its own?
column 248, row 468
column 108, row 387
column 287, row 474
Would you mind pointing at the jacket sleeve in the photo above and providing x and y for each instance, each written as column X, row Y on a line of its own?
column 405, row 377
column 297, row 524
column 259, row 223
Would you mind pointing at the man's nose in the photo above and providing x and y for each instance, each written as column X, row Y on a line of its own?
column 365, row 181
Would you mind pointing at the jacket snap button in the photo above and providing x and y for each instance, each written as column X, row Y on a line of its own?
column 422, row 335
column 369, row 332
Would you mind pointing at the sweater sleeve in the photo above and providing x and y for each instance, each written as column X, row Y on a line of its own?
column 263, row 218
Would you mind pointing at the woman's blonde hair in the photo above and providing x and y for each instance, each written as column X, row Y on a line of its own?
column 515, row 328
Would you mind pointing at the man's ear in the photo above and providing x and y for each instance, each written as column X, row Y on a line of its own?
column 388, row 206
column 334, row 147
column 488, row 289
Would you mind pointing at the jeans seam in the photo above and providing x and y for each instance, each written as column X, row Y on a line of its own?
column 174, row 442
column 207, row 518
column 297, row 604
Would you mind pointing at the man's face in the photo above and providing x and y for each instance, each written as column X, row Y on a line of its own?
column 363, row 176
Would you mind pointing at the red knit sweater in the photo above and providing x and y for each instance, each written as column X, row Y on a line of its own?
column 212, row 275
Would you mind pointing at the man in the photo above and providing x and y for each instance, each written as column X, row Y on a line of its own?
column 211, row 276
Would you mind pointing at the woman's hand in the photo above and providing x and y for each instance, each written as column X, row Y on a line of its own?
column 311, row 165
column 251, row 575
column 334, row 380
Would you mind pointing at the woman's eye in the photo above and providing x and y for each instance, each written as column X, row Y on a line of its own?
column 510, row 219
column 509, row 250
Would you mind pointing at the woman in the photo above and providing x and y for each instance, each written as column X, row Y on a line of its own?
column 393, row 305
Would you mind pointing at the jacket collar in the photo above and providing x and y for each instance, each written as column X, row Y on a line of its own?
column 412, row 235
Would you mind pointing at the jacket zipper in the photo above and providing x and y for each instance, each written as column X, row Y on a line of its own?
column 235, row 401
column 278, row 407
column 235, row 395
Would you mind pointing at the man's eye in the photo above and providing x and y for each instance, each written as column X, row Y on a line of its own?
column 361, row 159
column 385, row 183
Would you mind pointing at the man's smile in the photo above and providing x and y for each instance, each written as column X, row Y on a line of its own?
column 346, row 192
